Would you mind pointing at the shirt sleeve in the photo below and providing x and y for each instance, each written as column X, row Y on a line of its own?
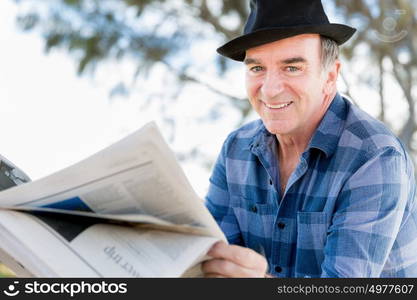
column 367, row 216
column 218, row 200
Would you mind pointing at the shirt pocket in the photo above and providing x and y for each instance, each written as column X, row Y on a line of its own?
column 312, row 230
column 254, row 219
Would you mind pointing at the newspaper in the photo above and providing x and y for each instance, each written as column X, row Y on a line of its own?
column 126, row 211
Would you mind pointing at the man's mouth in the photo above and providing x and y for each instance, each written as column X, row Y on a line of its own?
column 278, row 106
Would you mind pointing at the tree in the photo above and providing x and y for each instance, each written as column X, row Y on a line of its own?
column 388, row 36
column 164, row 33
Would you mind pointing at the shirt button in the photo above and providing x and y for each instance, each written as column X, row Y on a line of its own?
column 281, row 225
column 278, row 269
column 254, row 209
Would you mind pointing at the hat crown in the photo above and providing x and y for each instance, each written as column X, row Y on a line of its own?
column 284, row 13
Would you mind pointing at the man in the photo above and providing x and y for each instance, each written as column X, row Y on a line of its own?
column 317, row 187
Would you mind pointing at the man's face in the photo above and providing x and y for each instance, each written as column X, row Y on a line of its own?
column 287, row 85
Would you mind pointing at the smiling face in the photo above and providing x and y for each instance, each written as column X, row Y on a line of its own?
column 287, row 85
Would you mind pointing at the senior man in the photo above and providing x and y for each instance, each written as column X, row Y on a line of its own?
column 316, row 187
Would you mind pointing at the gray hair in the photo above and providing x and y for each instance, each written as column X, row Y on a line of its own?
column 329, row 52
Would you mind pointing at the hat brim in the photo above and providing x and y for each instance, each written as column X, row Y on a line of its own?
column 236, row 48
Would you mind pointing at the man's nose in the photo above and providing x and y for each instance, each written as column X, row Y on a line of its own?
column 272, row 85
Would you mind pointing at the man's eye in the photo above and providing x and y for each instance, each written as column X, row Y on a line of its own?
column 292, row 69
column 256, row 69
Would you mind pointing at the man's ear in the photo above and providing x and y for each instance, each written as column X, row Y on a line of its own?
column 332, row 74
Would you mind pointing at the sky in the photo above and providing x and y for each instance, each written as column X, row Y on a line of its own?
column 50, row 117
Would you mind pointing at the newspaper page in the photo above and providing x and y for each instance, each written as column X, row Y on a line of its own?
column 138, row 175
column 136, row 180
column 73, row 246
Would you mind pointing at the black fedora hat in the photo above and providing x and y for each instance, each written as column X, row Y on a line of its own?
column 272, row 20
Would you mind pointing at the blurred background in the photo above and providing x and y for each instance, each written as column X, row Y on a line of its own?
column 78, row 75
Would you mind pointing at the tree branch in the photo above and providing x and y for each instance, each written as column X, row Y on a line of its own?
column 381, row 89
column 185, row 77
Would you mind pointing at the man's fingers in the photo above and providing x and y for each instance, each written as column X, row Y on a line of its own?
column 213, row 275
column 226, row 268
column 234, row 261
column 244, row 257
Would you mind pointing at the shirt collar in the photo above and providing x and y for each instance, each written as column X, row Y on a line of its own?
column 261, row 134
column 325, row 138
column 327, row 135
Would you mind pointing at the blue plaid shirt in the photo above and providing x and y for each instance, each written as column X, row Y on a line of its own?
column 348, row 209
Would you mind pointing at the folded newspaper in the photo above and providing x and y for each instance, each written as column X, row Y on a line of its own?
column 126, row 211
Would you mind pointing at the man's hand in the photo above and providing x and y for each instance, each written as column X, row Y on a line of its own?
column 234, row 261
